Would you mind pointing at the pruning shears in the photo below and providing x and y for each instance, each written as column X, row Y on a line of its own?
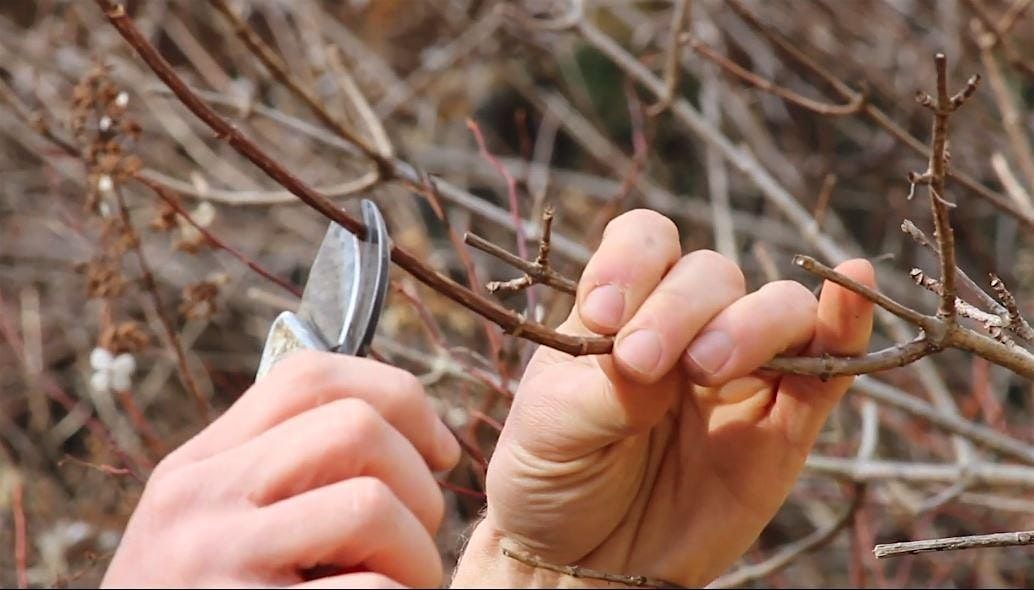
column 343, row 295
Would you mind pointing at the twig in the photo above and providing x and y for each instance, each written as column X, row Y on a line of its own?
column 1018, row 538
column 151, row 286
column 792, row 551
column 279, row 69
column 825, row 192
column 680, row 18
column 511, row 186
column 512, row 322
column 576, row 571
column 537, row 271
column 1015, row 58
column 942, row 108
column 18, row 513
column 965, row 283
column 874, row 113
column 1015, row 321
column 854, row 104
column 1012, row 122
column 978, row 433
column 173, row 202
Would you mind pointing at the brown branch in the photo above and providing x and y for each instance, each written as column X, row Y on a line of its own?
column 854, row 104
column 170, row 198
column 908, row 314
column 943, row 232
column 680, row 19
column 1016, row 322
column 510, row 321
column 1015, row 58
column 147, row 279
column 874, row 113
column 18, row 515
column 1016, row 539
column 576, row 571
column 965, row 283
column 279, row 69
column 537, row 271
column 826, row 367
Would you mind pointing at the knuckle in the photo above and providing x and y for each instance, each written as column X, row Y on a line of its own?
column 719, row 267
column 372, row 498
column 353, row 420
column 794, row 294
column 171, row 494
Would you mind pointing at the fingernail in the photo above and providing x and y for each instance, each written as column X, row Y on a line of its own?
column 710, row 351
column 640, row 350
column 604, row 306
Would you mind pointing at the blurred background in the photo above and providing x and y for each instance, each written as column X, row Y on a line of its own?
column 790, row 128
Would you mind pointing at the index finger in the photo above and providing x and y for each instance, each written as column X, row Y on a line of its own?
column 308, row 379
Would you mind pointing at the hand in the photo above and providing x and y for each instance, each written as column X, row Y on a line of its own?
column 667, row 458
column 324, row 462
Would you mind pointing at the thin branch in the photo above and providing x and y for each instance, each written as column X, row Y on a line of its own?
column 511, row 186
column 279, row 70
column 965, row 283
column 18, row 514
column 854, row 104
column 874, row 113
column 906, row 313
column 1016, row 539
column 576, row 571
column 826, row 367
column 511, row 321
column 151, row 286
column 173, row 202
column 1016, row 321
column 984, row 436
column 680, row 19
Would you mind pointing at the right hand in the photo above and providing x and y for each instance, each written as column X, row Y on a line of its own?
column 324, row 462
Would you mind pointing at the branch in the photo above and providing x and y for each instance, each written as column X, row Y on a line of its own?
column 576, row 571
column 147, row 277
column 874, row 113
column 173, row 202
column 1016, row 539
column 537, row 271
column 854, row 104
column 278, row 68
column 510, row 321
column 680, row 19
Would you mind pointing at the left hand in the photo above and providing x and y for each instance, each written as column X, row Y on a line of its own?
column 667, row 458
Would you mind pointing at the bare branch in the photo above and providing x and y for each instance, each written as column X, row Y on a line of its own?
column 576, row 571
column 1016, row 539
column 680, row 19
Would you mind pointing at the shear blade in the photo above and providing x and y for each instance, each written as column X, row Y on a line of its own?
column 343, row 295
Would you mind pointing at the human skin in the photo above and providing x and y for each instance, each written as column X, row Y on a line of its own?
column 327, row 461
column 665, row 459
column 669, row 457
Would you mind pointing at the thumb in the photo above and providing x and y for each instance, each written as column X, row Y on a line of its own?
column 842, row 328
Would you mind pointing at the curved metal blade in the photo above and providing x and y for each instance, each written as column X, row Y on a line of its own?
column 343, row 295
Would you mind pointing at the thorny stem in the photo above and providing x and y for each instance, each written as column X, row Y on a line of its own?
column 151, row 286
column 511, row 321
